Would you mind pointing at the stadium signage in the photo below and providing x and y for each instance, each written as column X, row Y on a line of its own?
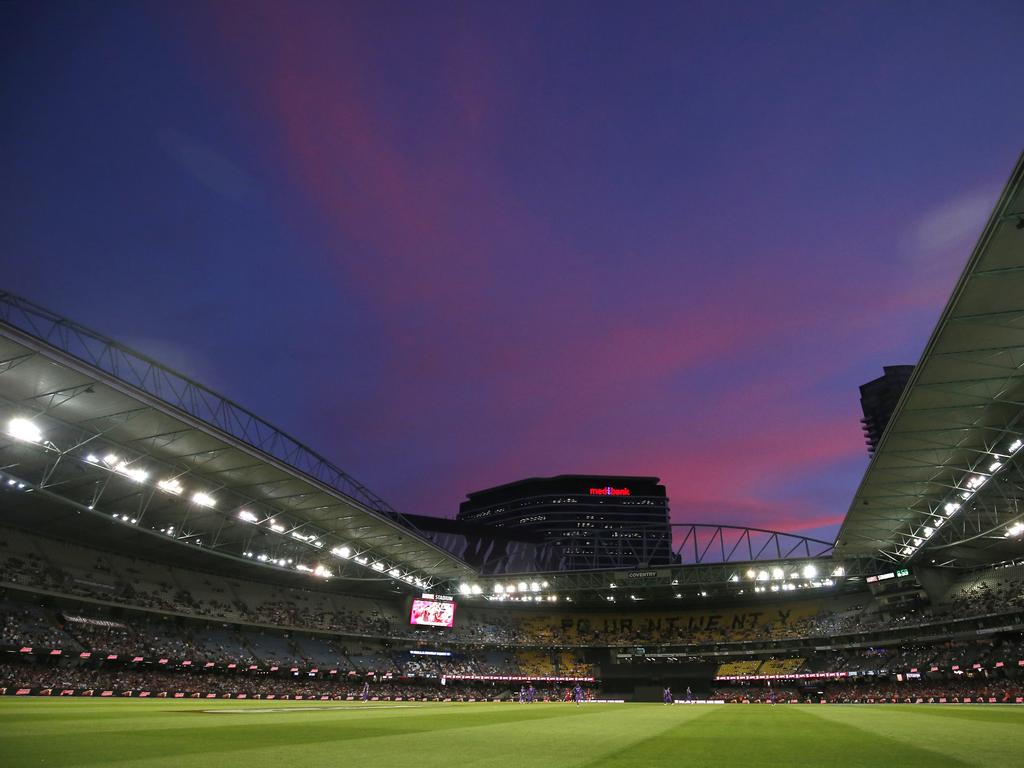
column 428, row 596
column 642, row 574
column 793, row 676
column 609, row 491
column 519, row 678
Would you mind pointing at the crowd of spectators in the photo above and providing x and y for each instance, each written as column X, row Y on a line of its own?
column 79, row 678
column 78, row 571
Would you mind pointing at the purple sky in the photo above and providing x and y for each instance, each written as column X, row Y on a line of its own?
column 453, row 245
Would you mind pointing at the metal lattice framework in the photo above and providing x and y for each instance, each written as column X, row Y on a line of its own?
column 945, row 484
column 708, row 543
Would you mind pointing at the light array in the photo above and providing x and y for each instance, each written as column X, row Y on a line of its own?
column 27, row 431
column 171, row 485
column 342, row 552
column 969, row 486
column 521, row 591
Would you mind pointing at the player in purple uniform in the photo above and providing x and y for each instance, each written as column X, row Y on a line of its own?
column 667, row 696
column 522, row 694
column 365, row 695
column 577, row 694
column 531, row 692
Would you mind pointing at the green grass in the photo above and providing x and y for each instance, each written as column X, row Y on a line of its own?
column 178, row 734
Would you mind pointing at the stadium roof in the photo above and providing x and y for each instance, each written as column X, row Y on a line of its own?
column 127, row 445
column 945, row 485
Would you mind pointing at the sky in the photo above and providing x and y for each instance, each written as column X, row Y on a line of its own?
column 452, row 245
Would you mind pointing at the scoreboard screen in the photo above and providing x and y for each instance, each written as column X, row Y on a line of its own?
column 432, row 613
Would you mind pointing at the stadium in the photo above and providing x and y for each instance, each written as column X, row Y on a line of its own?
column 184, row 583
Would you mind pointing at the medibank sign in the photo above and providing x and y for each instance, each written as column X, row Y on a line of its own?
column 609, row 491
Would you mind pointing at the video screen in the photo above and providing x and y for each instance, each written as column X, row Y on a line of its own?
column 432, row 613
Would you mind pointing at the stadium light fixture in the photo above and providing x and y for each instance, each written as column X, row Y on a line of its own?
column 23, row 429
column 751, row 574
column 476, row 590
column 810, row 571
column 276, row 528
column 1015, row 530
column 247, row 516
column 534, row 586
column 343, row 552
column 777, row 573
column 111, row 459
column 522, row 586
column 544, row 584
column 394, row 573
column 951, row 508
column 839, row 572
column 203, row 499
column 465, row 589
column 170, row 485
column 378, row 566
column 994, row 466
column 510, row 589
column 762, row 575
column 1015, row 446
column 734, row 578
column 499, row 589
column 133, row 473
column 92, row 458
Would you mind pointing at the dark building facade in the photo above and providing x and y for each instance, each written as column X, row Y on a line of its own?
column 591, row 521
column 878, row 400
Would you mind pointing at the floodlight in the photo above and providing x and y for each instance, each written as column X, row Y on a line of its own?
column 534, row 586
column 23, row 429
column 499, row 589
column 378, row 566
column 951, row 508
column 341, row 552
column 464, row 589
column 203, row 499
column 170, row 485
column 277, row 528
column 522, row 586
column 810, row 571
column 777, row 573
column 394, row 573
column 247, row 516
column 476, row 589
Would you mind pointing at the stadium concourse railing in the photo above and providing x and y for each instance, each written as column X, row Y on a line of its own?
column 177, row 390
